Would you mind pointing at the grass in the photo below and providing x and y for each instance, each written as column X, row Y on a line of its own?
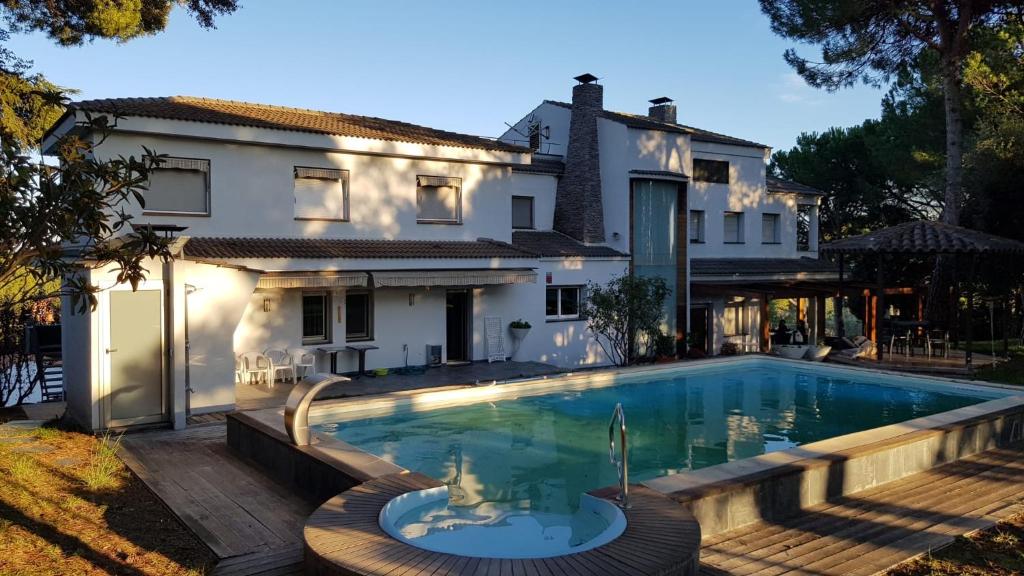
column 998, row 551
column 1008, row 372
column 75, row 509
column 105, row 468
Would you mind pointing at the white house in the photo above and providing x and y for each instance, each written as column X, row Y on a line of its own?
column 298, row 229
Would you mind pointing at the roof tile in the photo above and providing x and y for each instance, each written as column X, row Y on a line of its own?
column 925, row 237
column 215, row 111
column 214, row 248
column 551, row 244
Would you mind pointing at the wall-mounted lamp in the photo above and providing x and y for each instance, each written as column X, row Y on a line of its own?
column 267, row 305
column 412, row 299
column 615, row 235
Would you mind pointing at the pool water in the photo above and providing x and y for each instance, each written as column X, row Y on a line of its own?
column 537, row 454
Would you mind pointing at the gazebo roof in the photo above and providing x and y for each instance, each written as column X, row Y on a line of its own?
column 924, row 237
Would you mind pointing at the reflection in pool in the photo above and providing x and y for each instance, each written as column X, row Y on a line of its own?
column 539, row 453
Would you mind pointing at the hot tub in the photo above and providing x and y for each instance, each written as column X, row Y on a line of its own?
column 427, row 519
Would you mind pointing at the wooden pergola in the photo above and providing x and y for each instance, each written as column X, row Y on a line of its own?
column 920, row 238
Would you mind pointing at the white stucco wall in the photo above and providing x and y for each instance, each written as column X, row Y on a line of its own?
column 252, row 192
column 77, row 337
column 746, row 193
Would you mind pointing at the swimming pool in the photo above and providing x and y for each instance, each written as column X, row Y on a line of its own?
column 534, row 453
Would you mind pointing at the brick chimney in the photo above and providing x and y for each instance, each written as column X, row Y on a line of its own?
column 662, row 109
column 578, row 208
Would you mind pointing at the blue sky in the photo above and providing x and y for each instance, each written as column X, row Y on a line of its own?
column 472, row 66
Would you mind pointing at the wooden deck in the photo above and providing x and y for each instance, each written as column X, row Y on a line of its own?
column 871, row 531
column 250, row 522
column 343, row 537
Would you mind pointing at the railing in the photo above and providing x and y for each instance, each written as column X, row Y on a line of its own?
column 296, row 408
column 621, row 464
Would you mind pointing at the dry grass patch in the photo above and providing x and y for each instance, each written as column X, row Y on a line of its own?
column 998, row 551
column 77, row 510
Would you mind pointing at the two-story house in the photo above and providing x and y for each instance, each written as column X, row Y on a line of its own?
column 306, row 230
column 692, row 206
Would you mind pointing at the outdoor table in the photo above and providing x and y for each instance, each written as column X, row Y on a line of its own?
column 333, row 352
column 361, row 350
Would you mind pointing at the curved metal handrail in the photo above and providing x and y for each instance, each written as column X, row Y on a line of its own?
column 296, row 407
column 621, row 465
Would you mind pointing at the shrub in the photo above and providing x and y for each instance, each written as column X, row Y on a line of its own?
column 625, row 315
column 520, row 324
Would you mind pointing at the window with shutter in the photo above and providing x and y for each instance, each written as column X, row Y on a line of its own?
column 179, row 186
column 438, row 200
column 321, row 194
column 733, row 228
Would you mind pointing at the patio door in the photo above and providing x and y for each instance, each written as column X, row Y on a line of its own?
column 700, row 332
column 457, row 325
column 135, row 393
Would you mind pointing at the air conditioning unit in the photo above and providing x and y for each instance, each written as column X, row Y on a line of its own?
column 433, row 354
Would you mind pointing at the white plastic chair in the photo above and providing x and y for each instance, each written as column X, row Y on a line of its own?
column 303, row 360
column 280, row 361
column 255, row 365
column 239, row 371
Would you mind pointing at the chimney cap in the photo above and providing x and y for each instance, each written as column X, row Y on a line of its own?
column 586, row 78
column 660, row 101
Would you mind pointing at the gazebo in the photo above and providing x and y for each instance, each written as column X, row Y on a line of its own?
column 920, row 238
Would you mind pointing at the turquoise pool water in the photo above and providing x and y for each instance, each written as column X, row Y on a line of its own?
column 539, row 453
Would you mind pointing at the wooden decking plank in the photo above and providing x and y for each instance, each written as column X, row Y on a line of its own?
column 745, row 540
column 835, row 548
column 793, row 540
column 869, row 531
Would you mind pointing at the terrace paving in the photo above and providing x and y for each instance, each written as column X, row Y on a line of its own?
column 872, row 530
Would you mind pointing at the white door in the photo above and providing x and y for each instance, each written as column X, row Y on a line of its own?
column 135, row 391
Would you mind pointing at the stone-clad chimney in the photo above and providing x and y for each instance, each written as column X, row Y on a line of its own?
column 578, row 209
column 662, row 109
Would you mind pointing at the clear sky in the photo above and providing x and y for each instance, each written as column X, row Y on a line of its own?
column 471, row 66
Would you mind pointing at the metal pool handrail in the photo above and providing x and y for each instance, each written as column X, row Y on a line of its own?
column 296, row 408
column 621, row 465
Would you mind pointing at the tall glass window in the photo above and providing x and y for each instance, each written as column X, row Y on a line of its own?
column 655, row 242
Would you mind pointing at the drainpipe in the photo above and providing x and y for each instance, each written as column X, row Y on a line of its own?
column 189, row 290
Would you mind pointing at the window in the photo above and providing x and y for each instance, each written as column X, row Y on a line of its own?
column 733, row 233
column 438, row 200
column 522, row 212
column 715, row 171
column 562, row 303
column 534, row 132
column 321, row 194
column 358, row 316
column 179, row 186
column 696, row 226
column 770, row 229
column 316, row 317
column 735, row 318
column 803, row 227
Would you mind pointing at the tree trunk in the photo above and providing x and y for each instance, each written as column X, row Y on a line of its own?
column 942, row 274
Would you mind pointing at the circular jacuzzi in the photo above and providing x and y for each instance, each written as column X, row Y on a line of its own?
column 506, row 530
column 373, row 528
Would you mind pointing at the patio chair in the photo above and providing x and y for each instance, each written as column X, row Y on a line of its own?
column 900, row 344
column 280, row 361
column 937, row 339
column 304, row 362
column 255, row 365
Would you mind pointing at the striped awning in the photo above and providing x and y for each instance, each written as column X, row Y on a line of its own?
column 453, row 277
column 312, row 280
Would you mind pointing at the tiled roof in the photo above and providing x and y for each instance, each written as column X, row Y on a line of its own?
column 214, row 248
column 925, row 237
column 759, row 266
column 780, row 186
column 541, row 166
column 647, row 123
column 551, row 244
column 282, row 118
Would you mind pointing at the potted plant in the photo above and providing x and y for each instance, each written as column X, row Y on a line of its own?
column 520, row 328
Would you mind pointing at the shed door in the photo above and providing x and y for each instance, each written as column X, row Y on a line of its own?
column 136, row 389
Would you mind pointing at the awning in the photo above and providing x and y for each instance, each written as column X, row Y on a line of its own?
column 453, row 277
column 312, row 280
